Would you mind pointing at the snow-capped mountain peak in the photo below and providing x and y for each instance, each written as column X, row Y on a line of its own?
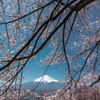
column 45, row 79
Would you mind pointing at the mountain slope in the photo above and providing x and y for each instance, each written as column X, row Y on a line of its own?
column 46, row 84
column 45, row 79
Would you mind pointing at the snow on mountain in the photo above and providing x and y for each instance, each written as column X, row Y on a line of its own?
column 47, row 84
column 45, row 79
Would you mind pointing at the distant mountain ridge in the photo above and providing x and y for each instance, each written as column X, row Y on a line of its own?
column 45, row 79
column 47, row 84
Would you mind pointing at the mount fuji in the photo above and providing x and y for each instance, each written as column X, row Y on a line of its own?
column 45, row 79
column 46, row 84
